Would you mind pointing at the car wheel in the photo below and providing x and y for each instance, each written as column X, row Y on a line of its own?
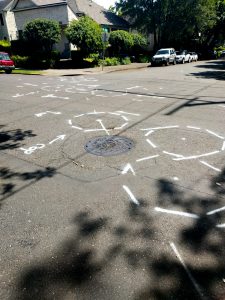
column 174, row 61
column 183, row 61
column 167, row 62
column 8, row 71
column 189, row 60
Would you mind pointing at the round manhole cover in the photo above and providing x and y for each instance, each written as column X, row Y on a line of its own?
column 109, row 145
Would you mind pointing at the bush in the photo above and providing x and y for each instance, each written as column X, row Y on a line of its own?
column 140, row 43
column 86, row 34
column 21, row 61
column 125, row 61
column 121, row 42
column 111, row 61
column 143, row 58
column 93, row 59
column 5, row 46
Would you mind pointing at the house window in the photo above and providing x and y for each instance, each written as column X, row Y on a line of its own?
column 1, row 20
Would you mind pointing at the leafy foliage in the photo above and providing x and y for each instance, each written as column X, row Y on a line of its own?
column 5, row 46
column 86, row 34
column 42, row 34
column 121, row 41
column 140, row 43
column 173, row 22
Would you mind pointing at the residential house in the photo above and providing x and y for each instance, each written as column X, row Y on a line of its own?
column 14, row 14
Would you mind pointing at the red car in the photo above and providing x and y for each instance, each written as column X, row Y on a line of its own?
column 6, row 64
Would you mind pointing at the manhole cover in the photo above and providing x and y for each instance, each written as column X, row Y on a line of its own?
column 109, row 145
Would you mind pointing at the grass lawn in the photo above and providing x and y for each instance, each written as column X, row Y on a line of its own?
column 27, row 72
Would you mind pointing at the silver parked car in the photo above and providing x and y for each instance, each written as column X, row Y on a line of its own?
column 164, row 56
column 194, row 56
column 183, row 56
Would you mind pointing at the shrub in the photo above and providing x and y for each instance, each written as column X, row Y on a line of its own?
column 21, row 61
column 121, row 42
column 86, row 34
column 111, row 61
column 125, row 61
column 143, row 58
column 93, row 59
column 5, row 46
column 140, row 43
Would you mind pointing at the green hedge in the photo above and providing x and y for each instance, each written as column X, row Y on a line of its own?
column 5, row 46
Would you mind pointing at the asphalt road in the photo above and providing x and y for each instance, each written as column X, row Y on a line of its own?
column 148, row 223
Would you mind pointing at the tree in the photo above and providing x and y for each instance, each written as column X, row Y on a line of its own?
column 121, row 41
column 173, row 22
column 139, row 42
column 42, row 34
column 86, row 34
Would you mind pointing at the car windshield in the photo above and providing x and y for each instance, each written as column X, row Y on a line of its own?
column 4, row 56
column 162, row 52
column 179, row 52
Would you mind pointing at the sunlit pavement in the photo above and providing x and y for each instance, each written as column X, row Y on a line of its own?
column 112, row 185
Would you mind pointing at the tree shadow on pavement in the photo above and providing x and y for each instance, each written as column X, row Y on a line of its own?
column 10, row 179
column 11, row 139
column 189, row 266
column 216, row 70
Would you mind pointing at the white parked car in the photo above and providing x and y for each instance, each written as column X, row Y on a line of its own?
column 194, row 56
column 164, row 57
column 183, row 56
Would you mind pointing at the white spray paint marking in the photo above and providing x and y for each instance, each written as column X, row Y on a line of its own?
column 125, row 118
column 172, row 154
column 210, row 166
column 132, row 198
column 175, row 212
column 175, row 178
column 157, row 128
column 93, row 130
column 113, row 113
column 198, row 289
column 193, row 127
column 81, row 115
column 103, row 96
column 59, row 137
column 133, row 87
column 183, row 139
column 30, row 150
column 223, row 147
column 96, row 112
column 48, row 112
column 213, row 133
column 151, row 143
column 221, row 226
column 212, row 212
column 54, row 96
column 137, row 100
column 127, row 168
column 18, row 95
column 146, row 158
column 19, row 86
column 149, row 132
column 103, row 127
column 158, row 97
column 222, row 105
column 196, row 156
column 30, row 84
column 76, row 127
column 127, row 113
column 122, row 126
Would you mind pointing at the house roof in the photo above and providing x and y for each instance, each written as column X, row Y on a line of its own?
column 98, row 13
column 86, row 7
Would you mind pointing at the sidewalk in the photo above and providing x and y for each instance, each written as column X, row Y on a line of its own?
column 98, row 70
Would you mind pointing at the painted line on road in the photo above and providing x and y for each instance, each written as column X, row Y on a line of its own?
column 196, row 156
column 175, row 212
column 210, row 166
column 212, row 212
column 151, row 143
column 132, row 197
column 215, row 134
column 146, row 158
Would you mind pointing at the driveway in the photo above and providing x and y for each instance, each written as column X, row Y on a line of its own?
column 112, row 185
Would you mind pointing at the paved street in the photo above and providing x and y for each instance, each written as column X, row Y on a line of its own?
column 146, row 223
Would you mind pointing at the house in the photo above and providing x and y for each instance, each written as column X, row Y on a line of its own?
column 14, row 14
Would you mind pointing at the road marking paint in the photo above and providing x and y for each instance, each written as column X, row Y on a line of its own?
column 133, row 87
column 118, row 128
column 70, row 122
column 48, row 112
column 127, row 168
column 221, row 225
column 151, row 143
column 18, row 95
column 59, row 137
column 223, row 147
column 146, row 158
column 212, row 212
column 81, row 115
column 93, row 130
column 176, row 212
column 175, row 178
column 210, row 166
column 193, row 127
column 30, row 84
column 133, row 199
column 196, row 156
column 222, row 105
column 125, row 118
column 96, row 112
column 113, row 113
column 76, row 127
column 213, row 133
column 173, row 154
column 157, row 128
column 127, row 113
column 149, row 132
column 198, row 289
column 103, row 127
